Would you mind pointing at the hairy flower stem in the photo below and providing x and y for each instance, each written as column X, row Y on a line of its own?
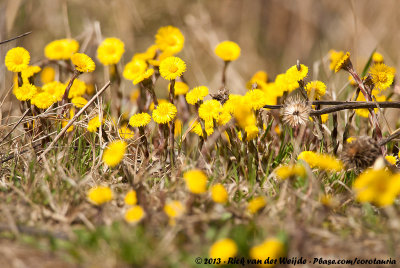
column 115, row 77
column 66, row 93
column 144, row 141
column 226, row 63
column 172, row 123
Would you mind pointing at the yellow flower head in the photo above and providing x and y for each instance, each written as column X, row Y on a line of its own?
column 125, row 132
column 160, row 101
column 110, row 51
column 164, row 113
column 135, row 214
column 195, row 127
column 334, row 57
column 130, row 198
column 17, row 59
column 219, row 193
column 321, row 161
column 172, row 67
column 140, row 120
column 287, row 171
column 99, row 195
column 224, row 117
column 114, row 153
column 29, row 72
column 210, row 110
column 170, row 39
column 79, row 102
column 256, row 204
column 61, row 49
column 47, row 75
column 382, row 75
column 251, row 132
column 196, row 181
column 343, row 62
column 55, row 89
column 378, row 186
column 143, row 76
column 271, row 248
column 242, row 112
column 180, row 88
column 223, row 249
column 227, row 50
column 365, row 112
column 43, row 100
column 315, row 89
column 83, row 63
column 77, row 89
column 94, row 124
column 133, row 68
column 258, row 99
column 174, row 209
column 196, row 94
column 391, row 159
column 294, row 75
column 377, row 57
column 65, row 122
column 25, row 92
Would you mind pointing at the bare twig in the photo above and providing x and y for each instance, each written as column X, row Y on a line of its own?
column 14, row 38
column 15, row 126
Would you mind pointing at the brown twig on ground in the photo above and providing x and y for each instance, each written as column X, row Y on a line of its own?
column 74, row 119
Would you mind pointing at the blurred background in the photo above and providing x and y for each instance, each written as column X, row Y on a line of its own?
column 273, row 34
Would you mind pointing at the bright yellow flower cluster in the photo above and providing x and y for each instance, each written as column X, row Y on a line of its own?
column 271, row 248
column 382, row 75
column 140, row 120
column 223, row 249
column 17, row 59
column 210, row 110
column 321, row 161
column 196, row 181
column 125, row 132
column 342, row 62
column 61, row 49
column 256, row 204
column 260, row 78
column 47, row 75
column 365, row 112
column 378, row 186
column 143, row 76
column 25, row 92
column 134, row 68
column 169, row 39
column 55, row 89
column 134, row 214
column 83, row 63
column 110, row 51
column 196, row 95
column 172, row 68
column 174, row 210
column 130, row 198
column 94, row 124
column 43, row 100
column 227, row 50
column 164, row 113
column 219, row 194
column 79, row 102
column 99, row 195
column 181, row 88
column 287, row 171
column 334, row 57
column 114, row 153
column 315, row 89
